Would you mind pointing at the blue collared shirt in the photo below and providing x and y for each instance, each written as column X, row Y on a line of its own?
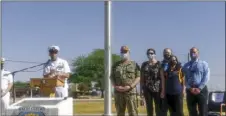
column 197, row 73
column 165, row 65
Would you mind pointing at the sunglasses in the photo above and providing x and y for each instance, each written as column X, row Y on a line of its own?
column 53, row 51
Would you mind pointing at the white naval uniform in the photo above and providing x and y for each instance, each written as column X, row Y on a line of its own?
column 58, row 66
column 7, row 78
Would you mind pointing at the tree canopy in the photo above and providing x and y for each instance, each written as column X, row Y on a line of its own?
column 91, row 68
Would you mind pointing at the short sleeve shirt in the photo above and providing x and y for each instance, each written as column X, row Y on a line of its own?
column 125, row 74
column 7, row 78
column 58, row 66
column 151, row 76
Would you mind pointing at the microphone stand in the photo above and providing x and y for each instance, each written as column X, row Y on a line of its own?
column 13, row 75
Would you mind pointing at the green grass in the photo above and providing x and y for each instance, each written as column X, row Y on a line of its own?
column 97, row 107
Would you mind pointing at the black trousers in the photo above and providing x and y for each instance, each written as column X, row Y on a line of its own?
column 151, row 97
column 164, row 107
column 175, row 104
column 200, row 100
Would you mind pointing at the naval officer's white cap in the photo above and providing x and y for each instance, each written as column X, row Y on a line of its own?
column 57, row 48
column 2, row 60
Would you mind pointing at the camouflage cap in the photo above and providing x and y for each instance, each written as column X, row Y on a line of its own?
column 124, row 49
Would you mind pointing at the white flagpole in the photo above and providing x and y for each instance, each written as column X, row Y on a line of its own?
column 107, row 46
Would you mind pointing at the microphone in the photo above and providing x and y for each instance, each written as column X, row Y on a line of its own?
column 26, row 68
column 46, row 63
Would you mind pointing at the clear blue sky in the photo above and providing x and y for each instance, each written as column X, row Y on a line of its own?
column 28, row 28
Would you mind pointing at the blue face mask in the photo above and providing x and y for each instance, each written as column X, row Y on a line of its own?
column 194, row 56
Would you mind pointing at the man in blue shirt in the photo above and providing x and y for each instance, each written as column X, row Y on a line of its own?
column 197, row 75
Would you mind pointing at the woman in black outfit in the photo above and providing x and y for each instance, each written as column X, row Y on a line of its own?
column 152, row 80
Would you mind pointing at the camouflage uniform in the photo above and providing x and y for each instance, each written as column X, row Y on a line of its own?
column 124, row 74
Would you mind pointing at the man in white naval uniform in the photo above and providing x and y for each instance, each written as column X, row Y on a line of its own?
column 6, row 85
column 57, row 68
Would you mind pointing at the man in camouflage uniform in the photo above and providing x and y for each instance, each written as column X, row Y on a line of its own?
column 125, row 76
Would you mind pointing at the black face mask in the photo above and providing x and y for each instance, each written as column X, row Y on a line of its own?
column 166, row 56
column 173, row 62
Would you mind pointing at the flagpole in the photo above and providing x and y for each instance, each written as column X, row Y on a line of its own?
column 107, row 46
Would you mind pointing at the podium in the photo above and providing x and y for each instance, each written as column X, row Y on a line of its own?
column 46, row 85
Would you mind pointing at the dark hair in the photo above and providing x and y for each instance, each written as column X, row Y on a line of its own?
column 173, row 56
column 178, row 65
column 150, row 49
